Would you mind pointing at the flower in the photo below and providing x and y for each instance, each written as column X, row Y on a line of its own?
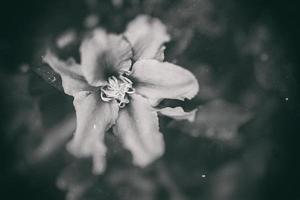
column 118, row 84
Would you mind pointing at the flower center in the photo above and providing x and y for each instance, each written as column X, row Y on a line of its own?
column 117, row 88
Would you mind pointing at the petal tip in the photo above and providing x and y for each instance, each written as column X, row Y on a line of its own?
column 72, row 148
column 144, row 162
column 192, row 117
column 99, row 164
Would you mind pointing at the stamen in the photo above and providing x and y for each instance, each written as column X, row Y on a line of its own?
column 117, row 89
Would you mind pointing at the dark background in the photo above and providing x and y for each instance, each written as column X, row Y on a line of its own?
column 26, row 25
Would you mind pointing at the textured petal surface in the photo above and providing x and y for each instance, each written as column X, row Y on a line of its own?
column 138, row 129
column 178, row 113
column 94, row 117
column 147, row 36
column 162, row 80
column 70, row 72
column 103, row 54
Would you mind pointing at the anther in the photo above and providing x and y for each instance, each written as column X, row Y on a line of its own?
column 117, row 89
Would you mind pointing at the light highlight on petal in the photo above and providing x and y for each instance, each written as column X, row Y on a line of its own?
column 94, row 118
column 138, row 129
column 178, row 113
column 147, row 36
column 162, row 80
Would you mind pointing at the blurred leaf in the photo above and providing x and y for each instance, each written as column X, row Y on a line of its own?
column 198, row 14
column 217, row 119
column 76, row 179
column 53, row 139
column 272, row 70
column 133, row 184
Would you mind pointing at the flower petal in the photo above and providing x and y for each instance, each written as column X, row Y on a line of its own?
column 147, row 36
column 94, row 117
column 103, row 54
column 162, row 80
column 70, row 72
column 137, row 127
column 178, row 113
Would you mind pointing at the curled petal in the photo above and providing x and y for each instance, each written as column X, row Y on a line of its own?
column 94, row 117
column 137, row 127
column 70, row 72
column 162, row 80
column 178, row 113
column 147, row 36
column 103, row 54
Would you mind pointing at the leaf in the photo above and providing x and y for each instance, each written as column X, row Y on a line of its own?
column 132, row 183
column 49, row 76
column 54, row 139
column 76, row 179
column 202, row 15
column 217, row 119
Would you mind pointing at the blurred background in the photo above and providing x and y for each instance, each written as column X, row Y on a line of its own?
column 243, row 144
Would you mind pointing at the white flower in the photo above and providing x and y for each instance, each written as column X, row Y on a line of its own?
column 119, row 83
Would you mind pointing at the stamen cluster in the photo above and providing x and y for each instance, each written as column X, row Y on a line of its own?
column 117, row 89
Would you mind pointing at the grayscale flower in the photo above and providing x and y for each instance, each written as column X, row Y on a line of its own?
column 118, row 84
